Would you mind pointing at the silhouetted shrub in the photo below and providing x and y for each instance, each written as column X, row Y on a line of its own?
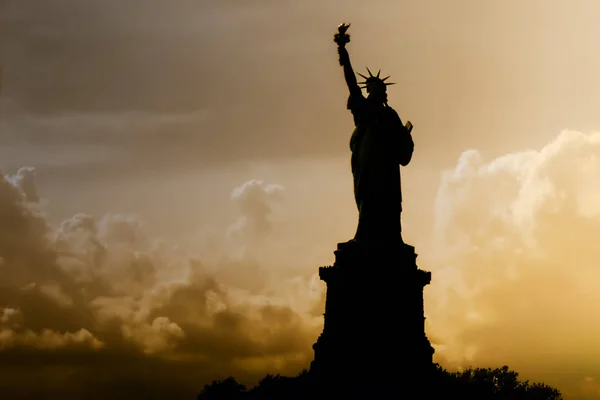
column 228, row 389
column 487, row 383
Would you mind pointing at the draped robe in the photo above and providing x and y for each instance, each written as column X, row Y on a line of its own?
column 380, row 143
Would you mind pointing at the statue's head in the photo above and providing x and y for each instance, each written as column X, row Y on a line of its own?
column 376, row 86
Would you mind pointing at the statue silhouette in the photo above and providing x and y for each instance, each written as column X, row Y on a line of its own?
column 380, row 143
column 374, row 343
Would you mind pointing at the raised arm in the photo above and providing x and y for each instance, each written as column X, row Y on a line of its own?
column 342, row 38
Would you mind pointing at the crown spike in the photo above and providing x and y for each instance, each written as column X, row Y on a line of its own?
column 390, row 83
column 369, row 71
column 384, row 79
column 361, row 75
column 378, row 73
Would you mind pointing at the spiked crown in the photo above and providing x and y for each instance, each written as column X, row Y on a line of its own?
column 373, row 79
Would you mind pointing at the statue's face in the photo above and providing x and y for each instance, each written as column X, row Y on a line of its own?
column 377, row 92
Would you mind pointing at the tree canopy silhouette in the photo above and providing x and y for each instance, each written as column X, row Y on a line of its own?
column 471, row 384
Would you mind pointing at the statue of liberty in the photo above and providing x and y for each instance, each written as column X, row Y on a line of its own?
column 380, row 144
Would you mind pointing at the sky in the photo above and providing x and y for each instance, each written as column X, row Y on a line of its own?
column 174, row 173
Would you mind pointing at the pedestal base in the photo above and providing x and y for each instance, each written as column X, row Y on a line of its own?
column 374, row 333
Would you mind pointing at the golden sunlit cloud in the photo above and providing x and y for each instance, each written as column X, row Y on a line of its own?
column 516, row 262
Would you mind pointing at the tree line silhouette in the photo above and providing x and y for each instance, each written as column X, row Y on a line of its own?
column 471, row 384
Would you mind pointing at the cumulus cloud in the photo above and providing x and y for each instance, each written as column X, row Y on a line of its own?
column 47, row 339
column 99, row 299
column 255, row 200
column 25, row 181
column 160, row 335
column 7, row 315
column 517, row 262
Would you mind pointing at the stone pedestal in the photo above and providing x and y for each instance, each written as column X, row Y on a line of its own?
column 374, row 337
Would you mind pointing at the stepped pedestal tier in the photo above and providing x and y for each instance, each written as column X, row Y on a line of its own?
column 374, row 333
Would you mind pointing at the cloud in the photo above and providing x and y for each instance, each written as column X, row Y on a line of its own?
column 158, row 336
column 517, row 262
column 25, row 181
column 100, row 300
column 255, row 200
column 47, row 339
column 7, row 315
